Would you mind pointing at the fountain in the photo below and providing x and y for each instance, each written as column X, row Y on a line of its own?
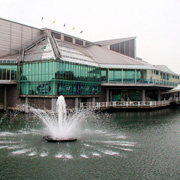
column 97, row 133
column 60, row 127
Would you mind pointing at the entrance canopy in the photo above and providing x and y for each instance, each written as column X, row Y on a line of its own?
column 174, row 90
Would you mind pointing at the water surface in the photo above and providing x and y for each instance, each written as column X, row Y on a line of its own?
column 119, row 145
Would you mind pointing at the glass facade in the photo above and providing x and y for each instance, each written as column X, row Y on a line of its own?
column 52, row 77
column 103, row 75
column 136, row 76
column 115, row 76
column 8, row 71
column 124, row 76
column 127, row 95
column 129, row 76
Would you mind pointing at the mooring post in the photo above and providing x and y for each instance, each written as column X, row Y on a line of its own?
column 76, row 104
column 53, row 104
column 26, row 105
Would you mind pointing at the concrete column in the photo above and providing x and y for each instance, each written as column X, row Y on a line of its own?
column 76, row 104
column 143, row 95
column 93, row 99
column 62, row 37
column 84, row 43
column 107, row 95
column 74, row 41
column 153, row 80
column 53, row 105
column 26, row 105
column 5, row 98
column 122, row 76
column 159, row 95
column 107, row 76
column 110, row 95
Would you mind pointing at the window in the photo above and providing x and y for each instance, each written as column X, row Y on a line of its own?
column 79, row 42
column 68, row 39
column 56, row 35
column 157, row 72
column 112, row 47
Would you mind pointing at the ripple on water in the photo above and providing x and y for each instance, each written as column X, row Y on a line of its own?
column 84, row 156
column 9, row 142
column 96, row 154
column 126, row 149
column 109, row 144
column 68, row 156
column 111, row 153
column 15, row 147
column 120, row 143
column 32, row 154
column 3, row 147
column 6, row 134
column 87, row 145
column 64, row 156
column 43, row 154
column 59, row 155
column 22, row 151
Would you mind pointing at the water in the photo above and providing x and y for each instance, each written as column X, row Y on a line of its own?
column 121, row 145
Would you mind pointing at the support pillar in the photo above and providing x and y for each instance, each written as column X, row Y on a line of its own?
column 107, row 76
column 110, row 95
column 143, row 95
column 93, row 99
column 159, row 95
column 26, row 105
column 5, row 98
column 107, row 95
column 76, row 104
column 53, row 105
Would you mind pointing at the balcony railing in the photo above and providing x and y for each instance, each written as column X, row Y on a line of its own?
column 139, row 81
column 124, row 104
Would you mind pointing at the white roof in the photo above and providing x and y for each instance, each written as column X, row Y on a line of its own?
column 74, row 54
column 164, row 69
column 41, row 51
column 117, row 66
column 174, row 90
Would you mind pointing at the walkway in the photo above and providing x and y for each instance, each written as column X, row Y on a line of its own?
column 127, row 104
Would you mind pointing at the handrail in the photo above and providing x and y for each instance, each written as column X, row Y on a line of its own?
column 118, row 104
column 139, row 81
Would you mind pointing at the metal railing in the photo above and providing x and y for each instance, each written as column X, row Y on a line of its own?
column 139, row 81
column 124, row 104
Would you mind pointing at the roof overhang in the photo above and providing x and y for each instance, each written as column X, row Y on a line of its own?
column 118, row 66
column 174, row 90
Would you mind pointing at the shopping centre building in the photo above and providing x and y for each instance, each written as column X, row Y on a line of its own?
column 38, row 65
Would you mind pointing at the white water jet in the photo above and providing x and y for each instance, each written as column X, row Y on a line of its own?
column 59, row 125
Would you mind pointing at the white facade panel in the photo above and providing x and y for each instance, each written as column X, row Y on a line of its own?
column 13, row 36
column 16, row 27
column 5, row 43
column 4, row 37
column 15, row 46
column 15, row 39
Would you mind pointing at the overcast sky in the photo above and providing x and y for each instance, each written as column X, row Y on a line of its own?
column 154, row 23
